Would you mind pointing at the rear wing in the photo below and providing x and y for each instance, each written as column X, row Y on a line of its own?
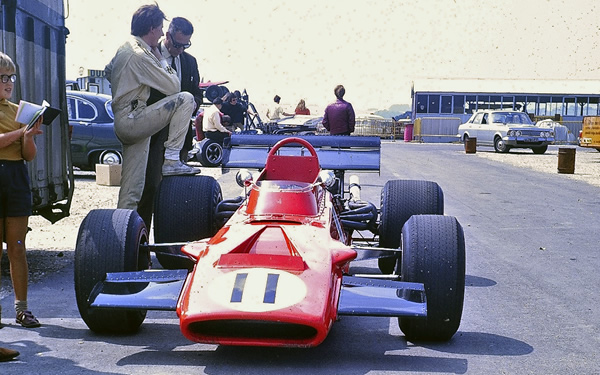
column 334, row 152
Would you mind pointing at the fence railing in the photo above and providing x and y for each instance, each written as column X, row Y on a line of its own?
column 383, row 128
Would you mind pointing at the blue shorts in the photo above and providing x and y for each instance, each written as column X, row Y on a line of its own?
column 15, row 191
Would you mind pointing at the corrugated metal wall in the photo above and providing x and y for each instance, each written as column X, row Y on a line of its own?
column 33, row 34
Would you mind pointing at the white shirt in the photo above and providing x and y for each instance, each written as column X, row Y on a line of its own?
column 168, row 58
column 211, row 120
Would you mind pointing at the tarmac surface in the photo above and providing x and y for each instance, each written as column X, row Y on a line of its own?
column 530, row 300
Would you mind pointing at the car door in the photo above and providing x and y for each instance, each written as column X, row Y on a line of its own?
column 474, row 125
column 81, row 116
column 485, row 132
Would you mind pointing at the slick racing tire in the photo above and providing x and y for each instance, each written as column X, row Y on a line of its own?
column 109, row 241
column 433, row 253
column 210, row 154
column 185, row 210
column 400, row 199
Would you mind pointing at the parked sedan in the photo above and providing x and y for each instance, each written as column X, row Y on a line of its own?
column 91, row 122
column 505, row 130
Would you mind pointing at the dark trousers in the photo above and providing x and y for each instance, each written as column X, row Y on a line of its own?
column 156, row 158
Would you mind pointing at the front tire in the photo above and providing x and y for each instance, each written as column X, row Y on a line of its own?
column 433, row 253
column 539, row 150
column 400, row 199
column 109, row 241
column 500, row 145
column 185, row 210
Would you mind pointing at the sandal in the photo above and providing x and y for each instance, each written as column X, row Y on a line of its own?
column 27, row 320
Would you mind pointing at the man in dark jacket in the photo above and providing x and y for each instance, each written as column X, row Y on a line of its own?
column 177, row 39
column 339, row 116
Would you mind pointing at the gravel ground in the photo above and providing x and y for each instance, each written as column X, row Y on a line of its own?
column 51, row 246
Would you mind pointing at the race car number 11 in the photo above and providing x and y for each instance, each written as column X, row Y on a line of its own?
column 257, row 290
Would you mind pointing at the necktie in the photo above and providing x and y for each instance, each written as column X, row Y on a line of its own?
column 173, row 63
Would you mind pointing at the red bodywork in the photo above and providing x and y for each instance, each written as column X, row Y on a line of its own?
column 272, row 275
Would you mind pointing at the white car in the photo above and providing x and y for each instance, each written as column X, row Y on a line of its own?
column 505, row 130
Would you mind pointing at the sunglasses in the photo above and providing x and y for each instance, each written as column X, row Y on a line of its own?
column 5, row 78
column 179, row 45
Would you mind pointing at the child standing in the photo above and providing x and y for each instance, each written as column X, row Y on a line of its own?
column 17, row 145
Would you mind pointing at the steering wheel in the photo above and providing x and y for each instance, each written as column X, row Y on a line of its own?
column 289, row 140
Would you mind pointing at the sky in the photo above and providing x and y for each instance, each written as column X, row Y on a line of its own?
column 375, row 48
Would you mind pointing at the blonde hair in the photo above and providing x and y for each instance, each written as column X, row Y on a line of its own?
column 301, row 104
column 7, row 64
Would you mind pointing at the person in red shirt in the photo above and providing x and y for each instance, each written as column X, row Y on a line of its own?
column 301, row 108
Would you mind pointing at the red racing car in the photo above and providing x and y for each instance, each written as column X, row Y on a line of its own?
column 272, row 267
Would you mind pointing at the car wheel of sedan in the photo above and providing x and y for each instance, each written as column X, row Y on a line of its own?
column 539, row 150
column 211, row 153
column 400, row 199
column 109, row 241
column 433, row 253
column 185, row 210
column 110, row 157
column 500, row 146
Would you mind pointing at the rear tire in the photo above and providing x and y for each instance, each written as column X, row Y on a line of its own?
column 400, row 199
column 433, row 253
column 109, row 241
column 185, row 209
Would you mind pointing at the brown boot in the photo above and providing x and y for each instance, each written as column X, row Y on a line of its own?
column 7, row 354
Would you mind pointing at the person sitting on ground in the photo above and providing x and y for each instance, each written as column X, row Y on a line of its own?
column 211, row 122
column 301, row 108
column 277, row 110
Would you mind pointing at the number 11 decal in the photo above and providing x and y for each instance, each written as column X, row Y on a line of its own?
column 240, row 282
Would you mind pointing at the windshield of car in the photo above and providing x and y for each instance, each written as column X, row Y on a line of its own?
column 282, row 185
column 510, row 118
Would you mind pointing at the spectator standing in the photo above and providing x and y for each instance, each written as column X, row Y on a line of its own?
column 301, row 108
column 339, row 116
column 172, row 49
column 277, row 110
column 17, row 145
column 133, row 71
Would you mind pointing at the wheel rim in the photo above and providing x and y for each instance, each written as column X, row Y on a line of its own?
column 214, row 153
column 500, row 146
column 110, row 157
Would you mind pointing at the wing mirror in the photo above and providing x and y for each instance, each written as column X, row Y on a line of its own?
column 244, row 178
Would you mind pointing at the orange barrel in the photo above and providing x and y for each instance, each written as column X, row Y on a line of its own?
column 566, row 160
column 471, row 145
